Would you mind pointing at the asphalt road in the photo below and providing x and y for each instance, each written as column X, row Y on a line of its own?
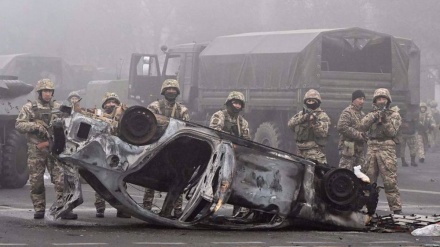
column 419, row 186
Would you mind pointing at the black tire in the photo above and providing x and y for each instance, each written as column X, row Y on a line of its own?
column 15, row 172
column 269, row 134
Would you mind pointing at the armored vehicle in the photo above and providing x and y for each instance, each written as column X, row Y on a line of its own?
column 275, row 69
column 13, row 146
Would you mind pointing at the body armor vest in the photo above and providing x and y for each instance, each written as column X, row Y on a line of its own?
column 231, row 127
column 168, row 111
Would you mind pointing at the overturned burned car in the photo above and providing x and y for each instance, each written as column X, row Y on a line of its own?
column 210, row 168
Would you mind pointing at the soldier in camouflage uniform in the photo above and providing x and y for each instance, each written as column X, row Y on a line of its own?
column 408, row 136
column 436, row 115
column 311, row 128
column 230, row 121
column 382, row 125
column 113, row 109
column 426, row 124
column 169, row 108
column 351, row 142
column 73, row 97
column 34, row 120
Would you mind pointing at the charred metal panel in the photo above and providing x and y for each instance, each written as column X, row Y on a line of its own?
column 211, row 169
column 264, row 182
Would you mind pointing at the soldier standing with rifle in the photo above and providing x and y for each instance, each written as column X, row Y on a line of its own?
column 352, row 140
column 169, row 108
column 408, row 136
column 113, row 110
column 230, row 121
column 311, row 128
column 382, row 125
column 34, row 120
column 426, row 124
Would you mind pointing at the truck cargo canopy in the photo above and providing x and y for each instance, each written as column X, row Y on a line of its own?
column 295, row 59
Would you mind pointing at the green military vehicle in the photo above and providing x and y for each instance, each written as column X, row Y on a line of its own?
column 14, row 94
column 275, row 69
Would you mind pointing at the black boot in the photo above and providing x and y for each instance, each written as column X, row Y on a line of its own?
column 413, row 161
column 422, row 160
column 100, row 213
column 404, row 161
column 39, row 215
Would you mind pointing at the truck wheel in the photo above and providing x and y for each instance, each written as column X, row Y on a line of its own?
column 269, row 134
column 15, row 172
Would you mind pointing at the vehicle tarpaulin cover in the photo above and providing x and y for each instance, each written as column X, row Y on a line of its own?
column 294, row 59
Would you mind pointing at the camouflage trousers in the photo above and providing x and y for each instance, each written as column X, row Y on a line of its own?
column 99, row 203
column 38, row 162
column 149, row 197
column 411, row 142
column 422, row 145
column 313, row 153
column 381, row 159
column 351, row 159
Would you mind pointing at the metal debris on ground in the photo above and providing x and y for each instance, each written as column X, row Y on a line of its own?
column 401, row 223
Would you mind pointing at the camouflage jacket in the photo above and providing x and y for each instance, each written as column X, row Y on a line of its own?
column 348, row 125
column 426, row 122
column 235, row 125
column 382, row 126
column 435, row 115
column 310, row 133
column 166, row 108
column 34, row 115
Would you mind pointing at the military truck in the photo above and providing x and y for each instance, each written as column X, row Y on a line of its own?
column 13, row 145
column 31, row 68
column 275, row 69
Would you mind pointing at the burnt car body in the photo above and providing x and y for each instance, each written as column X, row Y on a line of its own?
column 211, row 168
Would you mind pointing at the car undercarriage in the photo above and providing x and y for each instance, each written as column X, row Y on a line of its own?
column 211, row 169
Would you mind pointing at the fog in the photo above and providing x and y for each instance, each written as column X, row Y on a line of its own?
column 104, row 33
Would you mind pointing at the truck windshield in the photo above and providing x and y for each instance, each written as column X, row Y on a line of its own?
column 172, row 66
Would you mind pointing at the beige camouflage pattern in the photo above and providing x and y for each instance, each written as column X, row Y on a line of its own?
column 382, row 92
column 435, row 133
column 408, row 135
column 426, row 124
column 28, row 123
column 313, row 146
column 411, row 142
column 351, row 139
column 170, row 83
column 109, row 96
column 170, row 109
column 382, row 128
column 237, row 96
column 222, row 119
column 44, row 84
column 72, row 95
column 312, row 94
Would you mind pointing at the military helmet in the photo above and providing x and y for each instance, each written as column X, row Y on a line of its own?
column 312, row 94
column 44, row 84
column 235, row 95
column 423, row 104
column 382, row 92
column 108, row 96
column 433, row 104
column 73, row 94
column 169, row 83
